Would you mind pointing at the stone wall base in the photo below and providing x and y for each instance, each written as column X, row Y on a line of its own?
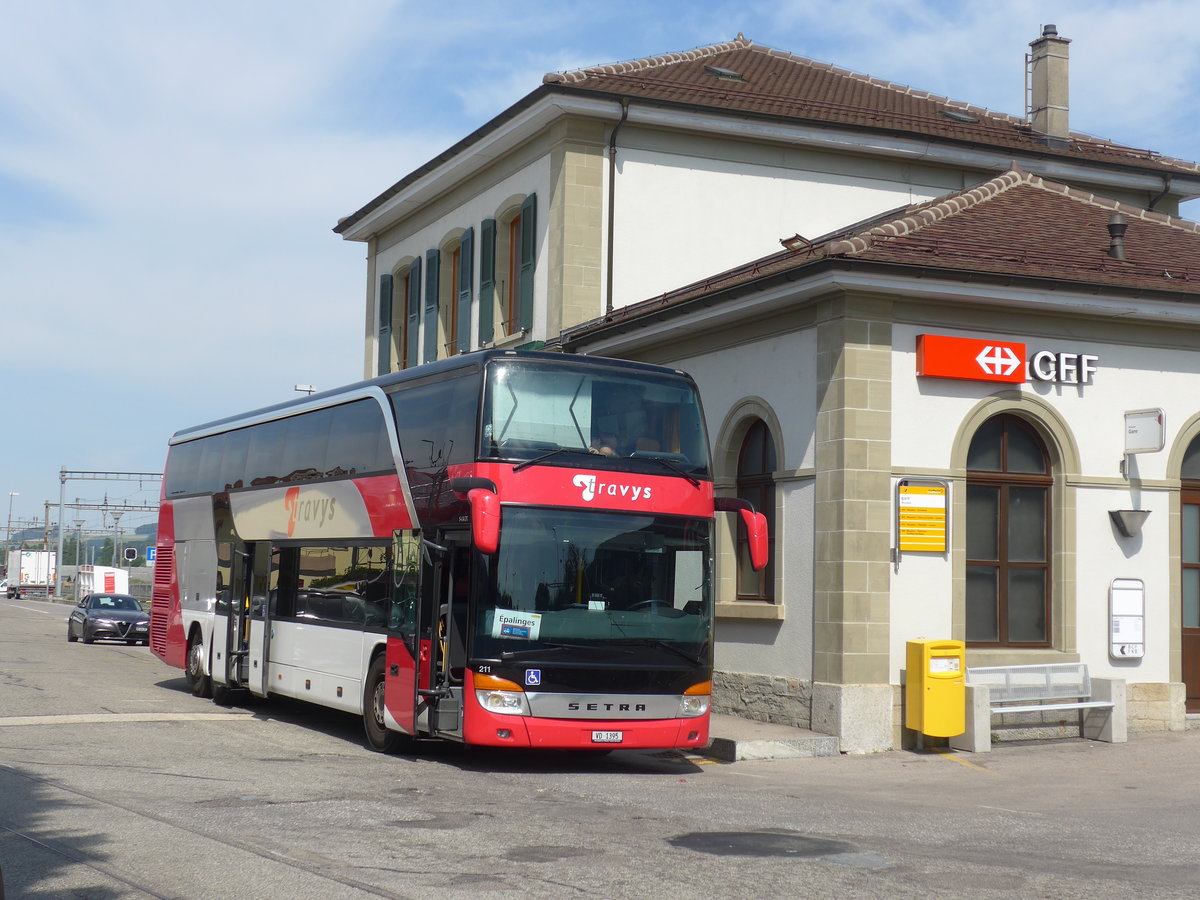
column 764, row 698
column 1157, row 706
column 860, row 715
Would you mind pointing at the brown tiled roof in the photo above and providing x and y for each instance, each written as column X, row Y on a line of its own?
column 780, row 85
column 1016, row 225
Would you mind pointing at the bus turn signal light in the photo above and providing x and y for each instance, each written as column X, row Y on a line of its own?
column 495, row 683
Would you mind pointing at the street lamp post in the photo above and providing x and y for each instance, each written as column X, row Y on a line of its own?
column 116, row 514
column 78, row 553
column 8, row 533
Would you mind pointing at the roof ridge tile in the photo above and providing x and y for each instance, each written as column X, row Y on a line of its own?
column 1125, row 209
column 646, row 62
column 935, row 211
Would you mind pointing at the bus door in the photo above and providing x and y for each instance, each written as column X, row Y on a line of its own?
column 405, row 648
column 263, row 570
column 244, row 630
column 227, row 555
column 231, row 636
column 449, row 600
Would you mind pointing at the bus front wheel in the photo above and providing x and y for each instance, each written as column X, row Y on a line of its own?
column 380, row 738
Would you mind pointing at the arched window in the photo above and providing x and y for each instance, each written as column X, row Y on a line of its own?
column 1008, row 535
column 755, row 482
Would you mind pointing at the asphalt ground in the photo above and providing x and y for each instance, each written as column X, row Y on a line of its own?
column 115, row 782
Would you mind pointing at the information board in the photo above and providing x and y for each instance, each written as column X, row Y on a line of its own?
column 921, row 516
column 1144, row 431
column 1127, row 618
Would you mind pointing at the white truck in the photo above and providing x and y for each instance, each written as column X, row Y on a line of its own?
column 30, row 572
column 102, row 580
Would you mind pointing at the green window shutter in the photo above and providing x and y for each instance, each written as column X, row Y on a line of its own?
column 487, row 281
column 528, row 259
column 466, row 272
column 414, row 313
column 433, row 265
column 385, row 325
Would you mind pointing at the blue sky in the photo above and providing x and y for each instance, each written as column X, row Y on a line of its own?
column 170, row 172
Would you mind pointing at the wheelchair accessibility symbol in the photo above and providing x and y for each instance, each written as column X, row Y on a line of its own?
column 533, row 676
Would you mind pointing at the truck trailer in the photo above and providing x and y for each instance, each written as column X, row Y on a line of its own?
column 30, row 573
column 102, row 580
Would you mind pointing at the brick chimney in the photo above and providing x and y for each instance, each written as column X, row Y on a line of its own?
column 1049, row 99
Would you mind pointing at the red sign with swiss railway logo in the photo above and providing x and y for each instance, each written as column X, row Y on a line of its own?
column 939, row 356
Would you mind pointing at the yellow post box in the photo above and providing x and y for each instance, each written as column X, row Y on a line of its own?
column 936, row 690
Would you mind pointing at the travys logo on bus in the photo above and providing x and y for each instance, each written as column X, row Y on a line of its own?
column 593, row 488
column 313, row 510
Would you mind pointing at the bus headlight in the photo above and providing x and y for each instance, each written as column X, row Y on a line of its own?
column 508, row 703
column 499, row 695
column 693, row 706
column 695, row 700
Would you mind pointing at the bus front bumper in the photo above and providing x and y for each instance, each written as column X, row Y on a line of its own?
column 493, row 730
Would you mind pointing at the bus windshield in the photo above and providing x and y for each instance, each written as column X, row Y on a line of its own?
column 595, row 581
column 533, row 408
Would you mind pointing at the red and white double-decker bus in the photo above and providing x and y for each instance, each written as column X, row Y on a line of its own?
column 503, row 548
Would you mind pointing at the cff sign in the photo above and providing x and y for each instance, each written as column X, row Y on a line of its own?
column 973, row 359
column 939, row 356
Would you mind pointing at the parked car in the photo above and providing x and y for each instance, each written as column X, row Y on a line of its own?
column 116, row 617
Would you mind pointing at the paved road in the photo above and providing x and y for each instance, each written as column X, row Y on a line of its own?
column 115, row 783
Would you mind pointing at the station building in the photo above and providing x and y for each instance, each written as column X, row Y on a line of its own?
column 993, row 312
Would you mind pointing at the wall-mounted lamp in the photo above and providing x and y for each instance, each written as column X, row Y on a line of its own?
column 796, row 243
column 1129, row 521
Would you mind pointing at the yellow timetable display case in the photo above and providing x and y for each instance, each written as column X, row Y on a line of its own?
column 935, row 696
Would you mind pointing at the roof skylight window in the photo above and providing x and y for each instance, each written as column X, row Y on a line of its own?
column 959, row 116
column 724, row 74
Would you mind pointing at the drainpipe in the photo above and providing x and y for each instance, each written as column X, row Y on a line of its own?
column 612, row 202
column 1166, row 190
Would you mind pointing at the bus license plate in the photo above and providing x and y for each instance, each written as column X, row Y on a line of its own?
column 607, row 737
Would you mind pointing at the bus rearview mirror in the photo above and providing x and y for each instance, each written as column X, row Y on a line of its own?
column 755, row 524
column 756, row 534
column 485, row 519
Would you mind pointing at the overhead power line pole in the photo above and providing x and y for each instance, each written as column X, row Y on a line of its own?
column 66, row 475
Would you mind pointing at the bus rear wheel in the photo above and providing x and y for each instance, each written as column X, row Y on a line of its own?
column 197, row 678
column 380, row 738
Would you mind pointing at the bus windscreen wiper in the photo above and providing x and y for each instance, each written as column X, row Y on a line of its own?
column 546, row 456
column 670, row 464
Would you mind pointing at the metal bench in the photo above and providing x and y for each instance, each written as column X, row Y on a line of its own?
column 1040, row 689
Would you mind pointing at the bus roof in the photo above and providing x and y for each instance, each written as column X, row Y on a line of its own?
column 475, row 360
